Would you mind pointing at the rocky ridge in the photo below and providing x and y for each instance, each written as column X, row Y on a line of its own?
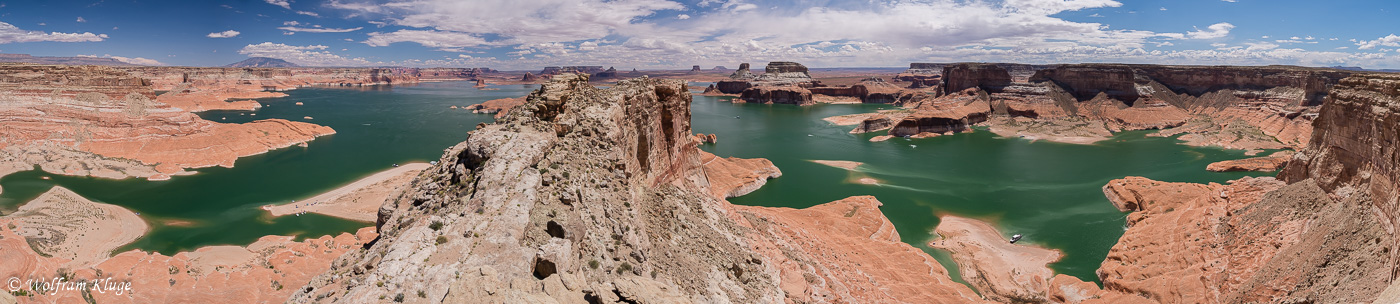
column 586, row 195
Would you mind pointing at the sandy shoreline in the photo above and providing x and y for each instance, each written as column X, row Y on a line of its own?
column 359, row 200
column 998, row 268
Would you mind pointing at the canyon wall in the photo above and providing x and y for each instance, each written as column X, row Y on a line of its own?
column 1322, row 232
column 1250, row 108
column 601, row 196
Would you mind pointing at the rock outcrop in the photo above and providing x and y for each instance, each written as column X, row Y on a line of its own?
column 600, row 195
column 984, row 76
column 1270, row 163
column 789, row 94
column 782, row 83
column 496, row 106
column 742, row 73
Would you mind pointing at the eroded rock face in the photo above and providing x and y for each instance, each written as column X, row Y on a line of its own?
column 1250, row 241
column 1353, row 151
column 1251, row 108
column 593, row 195
column 985, row 76
column 793, row 95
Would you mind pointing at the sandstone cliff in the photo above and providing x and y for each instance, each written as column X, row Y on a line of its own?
column 1250, row 108
column 586, row 195
column 781, row 83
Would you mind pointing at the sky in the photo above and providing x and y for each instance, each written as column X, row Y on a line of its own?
column 676, row 34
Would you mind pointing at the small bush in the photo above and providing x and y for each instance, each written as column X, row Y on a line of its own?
column 398, row 298
column 625, row 267
column 441, row 240
column 422, row 294
column 435, row 226
column 593, row 264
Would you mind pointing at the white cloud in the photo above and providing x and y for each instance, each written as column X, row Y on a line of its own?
column 81, row 20
column 136, row 60
column 283, row 3
column 311, row 55
column 635, row 33
column 11, row 34
column 1231, row 1
column 1390, row 40
column 428, row 38
column 291, row 23
column 223, row 34
column 1213, row 31
column 518, row 21
column 312, row 14
column 1042, row 7
column 318, row 29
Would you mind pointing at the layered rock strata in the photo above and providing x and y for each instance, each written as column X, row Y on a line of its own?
column 101, row 121
column 781, row 83
column 1251, row 108
column 600, row 195
column 1270, row 163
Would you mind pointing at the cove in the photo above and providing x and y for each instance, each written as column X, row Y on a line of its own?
column 376, row 128
column 1050, row 192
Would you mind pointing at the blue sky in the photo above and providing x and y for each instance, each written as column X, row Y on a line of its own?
column 528, row 34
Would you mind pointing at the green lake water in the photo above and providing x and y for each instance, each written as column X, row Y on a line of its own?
column 1049, row 192
column 376, row 127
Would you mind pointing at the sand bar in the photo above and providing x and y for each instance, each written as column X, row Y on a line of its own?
column 359, row 200
column 843, row 164
column 999, row 269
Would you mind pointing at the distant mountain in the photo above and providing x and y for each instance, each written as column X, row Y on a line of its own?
column 262, row 62
column 1365, row 69
column 26, row 58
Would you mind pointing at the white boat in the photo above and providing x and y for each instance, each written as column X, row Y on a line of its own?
column 1015, row 238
